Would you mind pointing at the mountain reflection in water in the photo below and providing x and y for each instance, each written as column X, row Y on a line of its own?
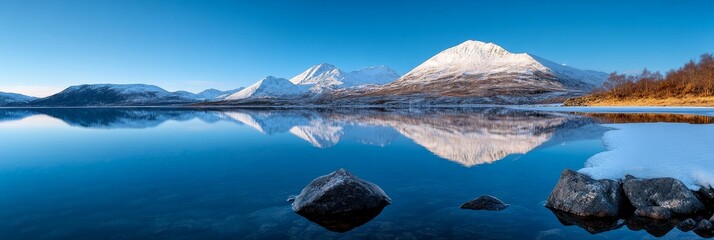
column 466, row 136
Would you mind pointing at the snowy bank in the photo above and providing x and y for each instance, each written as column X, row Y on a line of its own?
column 652, row 150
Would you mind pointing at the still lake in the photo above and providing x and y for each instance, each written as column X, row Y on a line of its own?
column 122, row 173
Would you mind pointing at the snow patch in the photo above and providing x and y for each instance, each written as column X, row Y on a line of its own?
column 651, row 150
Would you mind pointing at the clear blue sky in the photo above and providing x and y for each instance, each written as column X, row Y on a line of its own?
column 48, row 45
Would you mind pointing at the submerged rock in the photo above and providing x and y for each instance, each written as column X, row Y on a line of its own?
column 687, row 225
column 581, row 195
column 340, row 201
column 485, row 202
column 593, row 225
column 667, row 193
column 653, row 212
column 655, row 227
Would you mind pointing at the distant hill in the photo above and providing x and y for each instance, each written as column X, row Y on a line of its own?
column 123, row 95
column 14, row 99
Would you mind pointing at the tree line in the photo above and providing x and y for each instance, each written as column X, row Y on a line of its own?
column 694, row 79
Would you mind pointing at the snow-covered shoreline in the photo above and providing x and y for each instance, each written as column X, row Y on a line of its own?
column 652, row 150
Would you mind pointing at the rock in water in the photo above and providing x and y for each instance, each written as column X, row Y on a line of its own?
column 667, row 193
column 581, row 195
column 485, row 202
column 340, row 201
column 339, row 192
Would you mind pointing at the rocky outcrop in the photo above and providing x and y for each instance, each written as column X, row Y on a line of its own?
column 485, row 202
column 581, row 195
column 656, row 205
column 653, row 197
column 340, row 201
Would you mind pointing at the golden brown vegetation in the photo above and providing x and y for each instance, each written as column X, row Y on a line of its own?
column 690, row 85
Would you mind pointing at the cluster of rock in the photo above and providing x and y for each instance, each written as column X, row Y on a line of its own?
column 656, row 205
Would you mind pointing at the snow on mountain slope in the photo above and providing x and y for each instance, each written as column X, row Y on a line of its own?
column 121, row 88
column 208, row 94
column 322, row 74
column 375, row 75
column 594, row 78
column 270, row 87
column 327, row 76
column 225, row 94
column 14, row 98
column 478, row 69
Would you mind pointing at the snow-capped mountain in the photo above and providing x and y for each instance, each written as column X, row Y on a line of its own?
column 270, row 88
column 476, row 69
column 326, row 75
column 114, row 95
column 14, row 98
column 476, row 60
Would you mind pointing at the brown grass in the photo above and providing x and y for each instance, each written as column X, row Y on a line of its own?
column 669, row 102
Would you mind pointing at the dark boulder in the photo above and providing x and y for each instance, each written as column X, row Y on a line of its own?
column 340, row 201
column 667, row 193
column 581, row 195
column 687, row 225
column 653, row 212
column 485, row 202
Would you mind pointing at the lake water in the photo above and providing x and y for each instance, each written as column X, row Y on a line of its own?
column 226, row 174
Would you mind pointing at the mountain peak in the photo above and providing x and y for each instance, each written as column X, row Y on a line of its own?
column 270, row 78
column 473, row 47
column 324, row 73
column 324, row 66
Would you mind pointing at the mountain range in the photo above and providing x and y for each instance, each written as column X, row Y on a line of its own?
column 470, row 73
